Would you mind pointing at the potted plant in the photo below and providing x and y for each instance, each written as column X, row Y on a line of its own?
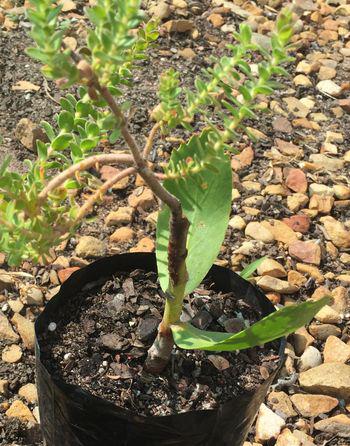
column 42, row 208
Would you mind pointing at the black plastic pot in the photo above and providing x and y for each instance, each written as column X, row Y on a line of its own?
column 71, row 416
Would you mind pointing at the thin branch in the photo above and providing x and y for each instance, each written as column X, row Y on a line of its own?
column 110, row 158
column 149, row 142
column 88, row 205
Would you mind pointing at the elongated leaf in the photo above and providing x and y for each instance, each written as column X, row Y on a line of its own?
column 251, row 268
column 206, row 200
column 278, row 324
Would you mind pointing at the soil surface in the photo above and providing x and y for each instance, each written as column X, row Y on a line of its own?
column 286, row 141
column 114, row 326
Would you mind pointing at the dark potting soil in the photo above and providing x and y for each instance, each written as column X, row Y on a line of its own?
column 102, row 339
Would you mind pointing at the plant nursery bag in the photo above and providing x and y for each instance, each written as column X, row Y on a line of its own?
column 71, row 416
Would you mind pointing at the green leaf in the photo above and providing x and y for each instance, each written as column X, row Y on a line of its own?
column 206, row 200
column 66, row 121
column 42, row 150
column 278, row 324
column 251, row 268
column 62, row 141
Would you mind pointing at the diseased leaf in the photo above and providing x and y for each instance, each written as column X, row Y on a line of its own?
column 278, row 324
column 205, row 196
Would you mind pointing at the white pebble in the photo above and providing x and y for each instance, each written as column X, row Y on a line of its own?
column 52, row 326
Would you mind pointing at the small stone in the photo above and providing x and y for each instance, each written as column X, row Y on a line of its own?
column 144, row 245
column 302, row 80
column 27, row 132
column 299, row 223
column 313, row 405
column 160, row 10
column 280, row 403
column 64, row 274
column 267, row 283
column 340, row 299
column 6, row 331
column 321, row 189
column 257, row 231
column 306, row 68
column 234, row 325
column 268, row 424
column 11, row 354
column 325, row 162
column 29, row 393
column 296, row 107
column 296, row 279
column 281, row 232
column 326, row 73
column 336, row 232
column 329, row 87
column 187, row 53
column 243, row 159
column 328, row 316
column 7, row 282
column 336, row 350
column 237, row 222
column 286, row 438
column 312, row 271
column 281, row 124
column 31, row 295
column 309, row 359
column 341, row 192
column 15, row 305
column 109, row 172
column 332, row 378
column 122, row 235
column 323, row 204
column 297, row 201
column 338, row 425
column 345, row 104
column 301, row 340
column 296, row 180
column 308, row 252
column 152, row 219
column 3, row 386
column 323, row 331
column 123, row 215
column 113, row 342
column 25, row 328
column 89, row 246
column 271, row 268
column 216, row 20
column 147, row 328
column 179, row 26
column 219, row 362
column 20, row 410
column 142, row 197
column 276, row 189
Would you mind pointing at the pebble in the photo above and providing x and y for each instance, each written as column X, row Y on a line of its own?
column 20, row 410
column 268, row 424
column 267, row 283
column 286, row 438
column 237, row 222
column 323, row 331
column 160, row 10
column 6, row 331
column 332, row 378
column 187, row 53
column 257, row 231
column 309, row 359
column 296, row 180
column 281, row 403
column 123, row 215
column 338, row 425
column 336, row 232
column 64, row 274
column 3, row 386
column 341, row 300
column 341, row 192
column 281, row 231
column 328, row 315
column 89, row 246
column 271, row 268
column 297, row 201
column 122, row 235
column 329, row 87
column 142, row 197
column 296, row 279
column 308, row 252
column 336, row 350
column 27, row 132
column 299, row 223
column 326, row 162
column 29, row 393
column 147, row 328
column 301, row 340
column 25, row 328
column 313, row 405
column 322, row 204
column 11, row 354
column 31, row 295
column 144, row 245
column 109, row 172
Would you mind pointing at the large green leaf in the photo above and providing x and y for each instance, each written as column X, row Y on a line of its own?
column 203, row 184
column 278, row 324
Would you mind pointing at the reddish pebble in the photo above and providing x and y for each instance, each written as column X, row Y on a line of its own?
column 296, row 180
column 63, row 274
column 299, row 223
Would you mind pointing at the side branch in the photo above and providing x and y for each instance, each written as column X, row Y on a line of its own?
column 110, row 158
